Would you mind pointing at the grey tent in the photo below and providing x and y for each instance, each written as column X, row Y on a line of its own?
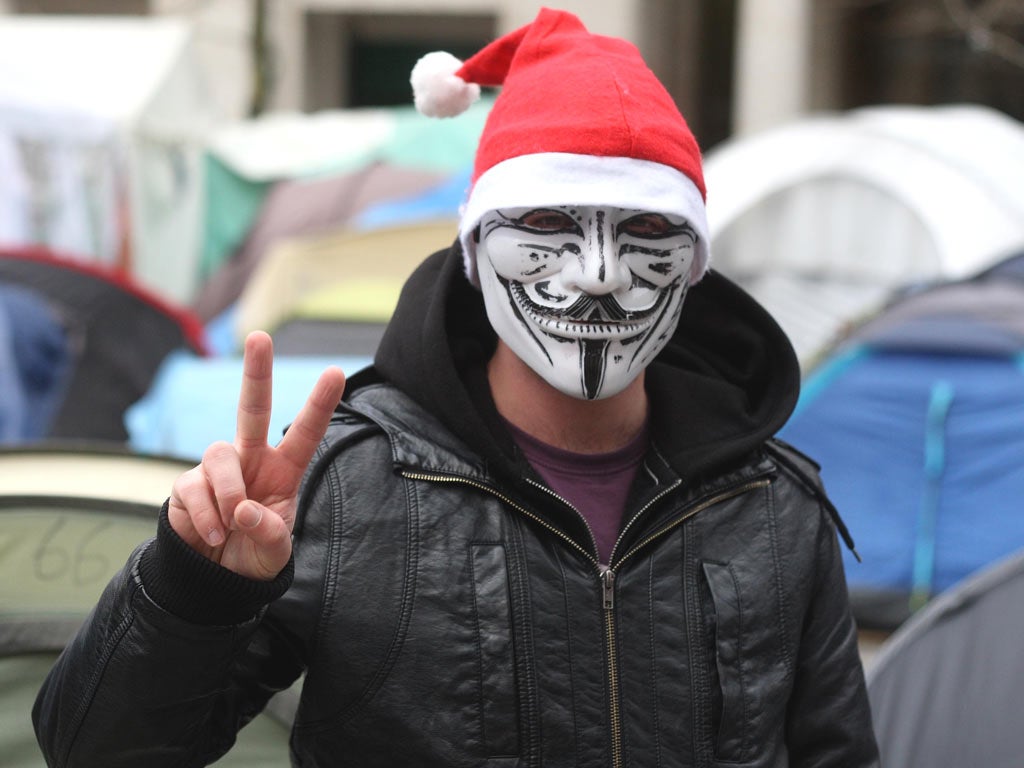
column 822, row 218
column 945, row 688
column 69, row 517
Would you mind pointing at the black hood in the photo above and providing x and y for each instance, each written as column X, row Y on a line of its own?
column 727, row 380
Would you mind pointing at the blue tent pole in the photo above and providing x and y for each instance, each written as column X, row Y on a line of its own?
column 939, row 404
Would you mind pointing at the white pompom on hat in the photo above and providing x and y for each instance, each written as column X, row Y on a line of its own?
column 438, row 91
column 580, row 120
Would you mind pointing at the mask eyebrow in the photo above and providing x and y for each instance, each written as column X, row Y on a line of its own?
column 658, row 253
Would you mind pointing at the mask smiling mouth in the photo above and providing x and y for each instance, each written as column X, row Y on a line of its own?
column 600, row 318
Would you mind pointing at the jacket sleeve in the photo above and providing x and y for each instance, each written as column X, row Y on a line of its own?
column 151, row 679
column 829, row 720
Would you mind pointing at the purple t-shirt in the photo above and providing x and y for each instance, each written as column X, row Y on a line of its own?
column 597, row 484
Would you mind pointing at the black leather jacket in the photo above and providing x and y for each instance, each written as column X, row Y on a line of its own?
column 448, row 609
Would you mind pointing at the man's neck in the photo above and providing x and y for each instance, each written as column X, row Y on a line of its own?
column 584, row 426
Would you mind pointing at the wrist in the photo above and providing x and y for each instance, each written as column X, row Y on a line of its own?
column 184, row 582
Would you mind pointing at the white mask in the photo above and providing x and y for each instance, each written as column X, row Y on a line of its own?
column 586, row 296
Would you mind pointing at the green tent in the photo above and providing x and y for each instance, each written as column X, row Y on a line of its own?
column 69, row 518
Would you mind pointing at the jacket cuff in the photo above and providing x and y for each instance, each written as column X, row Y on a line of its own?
column 198, row 590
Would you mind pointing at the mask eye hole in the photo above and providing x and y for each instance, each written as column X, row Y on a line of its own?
column 647, row 225
column 547, row 221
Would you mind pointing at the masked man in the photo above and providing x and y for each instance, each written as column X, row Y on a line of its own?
column 549, row 527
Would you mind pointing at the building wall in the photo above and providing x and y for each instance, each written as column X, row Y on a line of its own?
column 733, row 66
column 768, row 81
column 772, row 63
column 310, row 56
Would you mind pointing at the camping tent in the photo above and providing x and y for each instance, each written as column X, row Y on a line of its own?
column 945, row 688
column 34, row 362
column 823, row 218
column 343, row 275
column 246, row 161
column 917, row 420
column 111, row 338
column 102, row 122
column 69, row 518
column 302, row 207
column 193, row 400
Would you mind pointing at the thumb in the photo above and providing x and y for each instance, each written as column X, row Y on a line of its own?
column 249, row 515
column 269, row 534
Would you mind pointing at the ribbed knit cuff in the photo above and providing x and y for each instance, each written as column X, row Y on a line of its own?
column 196, row 589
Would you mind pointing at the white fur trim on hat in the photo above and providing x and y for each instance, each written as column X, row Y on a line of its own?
column 437, row 90
column 556, row 178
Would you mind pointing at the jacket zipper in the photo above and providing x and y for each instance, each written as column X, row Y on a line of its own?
column 605, row 573
column 607, row 576
column 608, row 591
column 612, row 664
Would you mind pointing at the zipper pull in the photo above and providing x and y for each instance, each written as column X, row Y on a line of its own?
column 608, row 588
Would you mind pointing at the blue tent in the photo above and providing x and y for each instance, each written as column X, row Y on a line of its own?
column 34, row 362
column 439, row 202
column 917, row 420
column 193, row 400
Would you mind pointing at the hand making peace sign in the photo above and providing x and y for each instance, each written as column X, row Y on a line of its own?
column 238, row 506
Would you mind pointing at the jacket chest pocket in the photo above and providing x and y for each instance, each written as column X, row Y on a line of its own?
column 724, row 624
column 495, row 651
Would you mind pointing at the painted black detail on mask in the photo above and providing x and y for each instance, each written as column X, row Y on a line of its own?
column 593, row 361
column 683, row 287
column 543, row 292
column 507, row 285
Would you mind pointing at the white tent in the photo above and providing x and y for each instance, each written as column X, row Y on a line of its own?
column 102, row 124
column 823, row 218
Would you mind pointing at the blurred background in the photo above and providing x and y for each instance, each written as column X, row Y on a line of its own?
column 176, row 173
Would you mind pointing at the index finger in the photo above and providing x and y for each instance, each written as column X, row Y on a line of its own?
column 305, row 433
column 256, row 396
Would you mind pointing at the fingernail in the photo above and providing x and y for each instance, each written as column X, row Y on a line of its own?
column 249, row 515
column 215, row 537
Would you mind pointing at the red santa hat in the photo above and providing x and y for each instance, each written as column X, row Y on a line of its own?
column 580, row 120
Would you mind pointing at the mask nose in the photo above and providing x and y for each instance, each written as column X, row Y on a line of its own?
column 597, row 268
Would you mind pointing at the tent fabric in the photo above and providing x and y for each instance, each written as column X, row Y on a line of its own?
column 303, row 207
column 319, row 336
column 193, row 401
column 81, row 469
column 105, row 159
column 981, row 316
column 286, row 145
column 362, row 260
column 235, row 205
column 250, row 156
column 117, row 334
column 918, row 424
column 34, row 361
column 824, row 218
column 945, row 687
column 439, row 202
